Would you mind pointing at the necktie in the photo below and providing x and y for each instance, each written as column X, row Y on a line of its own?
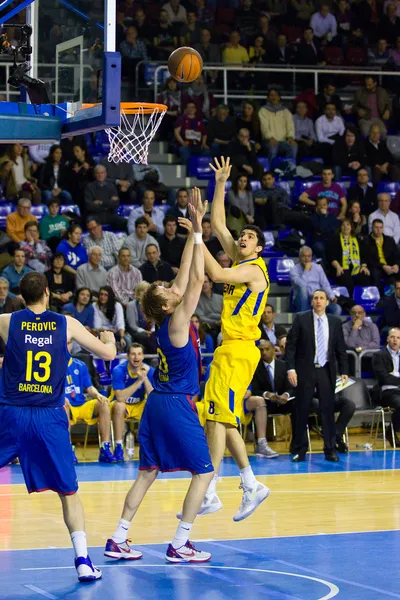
column 271, row 377
column 321, row 352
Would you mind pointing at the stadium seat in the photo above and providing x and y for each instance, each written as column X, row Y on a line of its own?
column 269, row 246
column 124, row 210
column 284, row 185
column 74, row 208
column 39, row 211
column 283, row 268
column 211, row 188
column 389, row 187
column 299, row 187
column 340, row 290
column 255, row 185
column 281, row 162
column 356, row 57
column 199, row 167
column 333, row 55
column 367, row 297
column 263, row 160
column 5, row 210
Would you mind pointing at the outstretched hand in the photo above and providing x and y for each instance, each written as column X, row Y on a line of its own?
column 196, row 201
column 221, row 169
column 196, row 218
column 185, row 223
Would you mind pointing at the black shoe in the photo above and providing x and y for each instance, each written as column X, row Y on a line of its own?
column 332, row 457
column 341, row 447
column 389, row 437
column 299, row 458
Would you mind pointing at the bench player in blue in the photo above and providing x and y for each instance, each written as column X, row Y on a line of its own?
column 33, row 420
column 171, row 437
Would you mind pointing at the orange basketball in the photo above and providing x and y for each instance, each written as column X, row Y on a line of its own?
column 185, row 64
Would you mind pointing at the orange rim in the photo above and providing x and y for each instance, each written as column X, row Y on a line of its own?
column 132, row 108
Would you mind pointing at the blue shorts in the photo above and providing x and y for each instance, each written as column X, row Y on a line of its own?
column 171, row 437
column 39, row 437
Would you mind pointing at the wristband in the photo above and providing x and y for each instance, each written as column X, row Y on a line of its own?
column 198, row 237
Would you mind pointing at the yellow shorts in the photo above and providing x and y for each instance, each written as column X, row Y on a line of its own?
column 84, row 413
column 231, row 373
column 133, row 411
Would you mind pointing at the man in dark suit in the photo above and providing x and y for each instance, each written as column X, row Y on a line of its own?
column 270, row 393
column 387, row 391
column 391, row 308
column 269, row 330
column 309, row 51
column 313, row 343
column 363, row 192
column 384, row 256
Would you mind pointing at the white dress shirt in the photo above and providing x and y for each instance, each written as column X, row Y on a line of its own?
column 391, row 223
column 157, row 216
column 396, row 373
column 325, row 330
column 325, row 128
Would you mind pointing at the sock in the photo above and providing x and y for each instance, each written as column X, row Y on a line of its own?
column 247, row 477
column 211, row 490
column 182, row 534
column 78, row 539
column 261, row 440
column 121, row 533
column 118, row 442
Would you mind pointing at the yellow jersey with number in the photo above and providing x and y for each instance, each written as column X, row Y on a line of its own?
column 242, row 308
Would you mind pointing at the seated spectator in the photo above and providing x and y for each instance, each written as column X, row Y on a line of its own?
column 137, row 242
column 142, row 25
column 389, row 26
column 71, row 246
column 190, row 134
column 302, row 11
column 306, row 277
column 304, row 132
column 131, row 46
column 246, row 17
column 348, row 258
column 69, row 143
column 138, row 327
column 360, row 333
column 272, row 206
column 323, row 226
column 270, row 330
column 80, row 172
column 53, row 226
column 240, row 196
column 175, row 11
column 258, row 56
column 348, row 153
column 309, row 50
column 281, row 53
column 384, row 256
column 220, row 131
column 379, row 158
column 15, row 271
column 249, row 119
column 189, row 34
column 205, row 13
column 61, row 282
column 54, row 177
column 164, row 41
column 386, row 392
column 121, row 175
column 324, row 24
column 5, row 177
column 265, row 29
column 171, row 246
column 209, row 308
column 153, row 215
column 209, row 240
column 81, row 307
column 337, row 203
column 282, row 346
column 37, row 252
column 21, row 183
column 132, row 382
column 270, row 393
column 91, row 274
column 180, row 209
column 394, row 58
column 171, row 96
column 123, row 278
column 329, row 128
column 328, row 96
column 84, row 402
column 391, row 221
column 344, row 18
column 16, row 221
column 234, row 53
column 204, row 100
column 209, row 52
column 109, row 316
column 372, row 106
column 206, row 342
column 358, row 221
column 379, row 55
column 277, row 127
column 391, row 309
column 101, row 200
column 225, row 262
column 363, row 192
column 155, row 270
column 8, row 303
column 243, row 156
column 106, row 240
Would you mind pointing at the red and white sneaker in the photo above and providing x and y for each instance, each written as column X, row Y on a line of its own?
column 121, row 551
column 185, row 554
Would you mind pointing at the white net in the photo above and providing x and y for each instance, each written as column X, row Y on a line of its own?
column 131, row 140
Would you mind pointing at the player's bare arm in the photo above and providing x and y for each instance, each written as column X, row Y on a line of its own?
column 123, row 395
column 222, row 170
column 4, row 325
column 104, row 347
column 251, row 275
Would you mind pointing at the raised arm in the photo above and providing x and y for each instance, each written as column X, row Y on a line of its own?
column 250, row 274
column 218, row 222
column 104, row 347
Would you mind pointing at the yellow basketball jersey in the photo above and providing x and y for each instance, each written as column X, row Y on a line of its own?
column 242, row 308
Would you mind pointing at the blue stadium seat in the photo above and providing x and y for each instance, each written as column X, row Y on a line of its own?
column 199, row 167
column 74, row 208
column 211, row 188
column 279, row 162
column 367, row 297
column 263, row 160
column 282, row 267
column 164, row 207
column 39, row 211
column 5, row 210
column 124, row 210
column 317, row 159
column 269, row 246
column 284, row 185
column 299, row 187
column 389, row 187
column 255, row 185
column 340, row 290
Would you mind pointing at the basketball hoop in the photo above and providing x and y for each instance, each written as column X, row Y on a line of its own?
column 131, row 140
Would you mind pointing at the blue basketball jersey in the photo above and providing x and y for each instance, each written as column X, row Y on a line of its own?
column 178, row 368
column 35, row 360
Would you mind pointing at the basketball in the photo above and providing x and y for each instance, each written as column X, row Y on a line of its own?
column 185, row 64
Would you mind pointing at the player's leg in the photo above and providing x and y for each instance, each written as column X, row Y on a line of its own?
column 71, row 421
column 10, row 427
column 101, row 411
column 257, row 405
column 118, row 413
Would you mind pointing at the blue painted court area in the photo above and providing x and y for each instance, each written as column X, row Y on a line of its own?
column 302, row 568
column 315, row 463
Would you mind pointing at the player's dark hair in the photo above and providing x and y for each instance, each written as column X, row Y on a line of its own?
column 78, row 291
column 109, row 308
column 32, row 287
column 152, row 305
column 260, row 235
column 135, row 345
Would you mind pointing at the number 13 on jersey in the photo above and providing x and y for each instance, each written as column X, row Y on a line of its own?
column 38, row 366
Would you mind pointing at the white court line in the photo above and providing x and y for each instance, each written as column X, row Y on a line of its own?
column 33, row 588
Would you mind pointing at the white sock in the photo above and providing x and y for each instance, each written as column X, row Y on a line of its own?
column 261, row 440
column 182, row 534
column 118, row 442
column 121, row 533
column 247, row 477
column 78, row 539
column 212, row 488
